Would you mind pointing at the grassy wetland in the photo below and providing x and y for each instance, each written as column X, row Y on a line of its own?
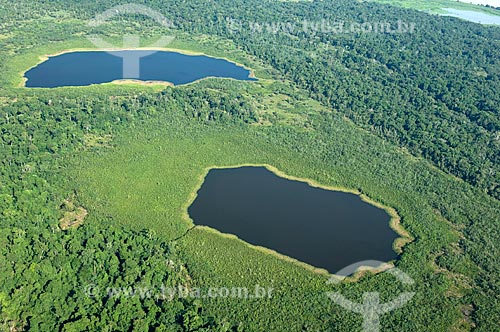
column 151, row 175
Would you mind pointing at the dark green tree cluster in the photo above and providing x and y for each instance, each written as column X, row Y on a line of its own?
column 55, row 280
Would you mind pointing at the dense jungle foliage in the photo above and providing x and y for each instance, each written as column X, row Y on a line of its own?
column 396, row 116
column 433, row 91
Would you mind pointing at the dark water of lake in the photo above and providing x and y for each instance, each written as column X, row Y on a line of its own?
column 86, row 68
column 326, row 229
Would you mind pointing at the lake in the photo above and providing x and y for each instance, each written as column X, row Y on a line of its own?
column 323, row 228
column 95, row 67
column 473, row 16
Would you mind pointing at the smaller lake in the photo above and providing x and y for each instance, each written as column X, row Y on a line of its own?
column 323, row 228
column 95, row 67
column 473, row 16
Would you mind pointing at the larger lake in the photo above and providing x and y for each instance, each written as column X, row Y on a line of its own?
column 94, row 67
column 323, row 228
column 473, row 16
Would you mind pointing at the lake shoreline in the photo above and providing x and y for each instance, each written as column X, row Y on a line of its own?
column 394, row 222
column 45, row 57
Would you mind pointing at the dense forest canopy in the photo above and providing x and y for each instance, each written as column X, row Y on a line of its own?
column 411, row 119
column 433, row 91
